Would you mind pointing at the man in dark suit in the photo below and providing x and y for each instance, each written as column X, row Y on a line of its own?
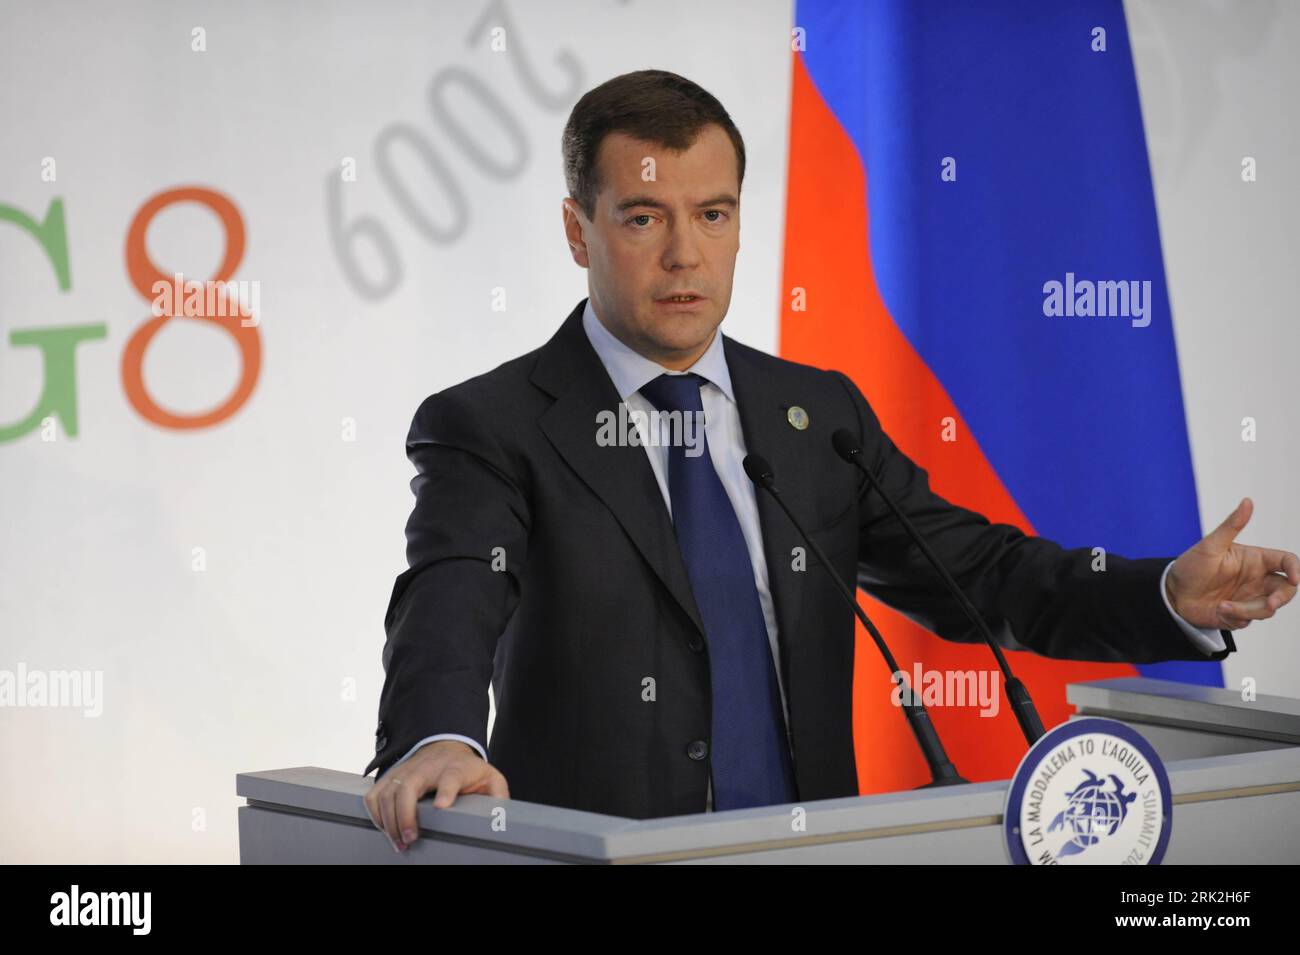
column 655, row 641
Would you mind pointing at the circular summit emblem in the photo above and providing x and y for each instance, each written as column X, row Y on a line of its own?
column 1091, row 792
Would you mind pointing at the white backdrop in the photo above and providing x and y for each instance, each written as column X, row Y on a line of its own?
column 267, row 652
column 1218, row 82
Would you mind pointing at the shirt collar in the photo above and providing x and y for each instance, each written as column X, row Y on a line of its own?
column 630, row 370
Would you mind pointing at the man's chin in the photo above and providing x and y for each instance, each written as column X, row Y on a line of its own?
column 683, row 331
column 670, row 353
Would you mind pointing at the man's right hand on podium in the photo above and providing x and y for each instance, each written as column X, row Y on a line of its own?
column 446, row 766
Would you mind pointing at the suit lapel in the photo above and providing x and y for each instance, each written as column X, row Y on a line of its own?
column 620, row 475
column 764, row 403
column 569, row 369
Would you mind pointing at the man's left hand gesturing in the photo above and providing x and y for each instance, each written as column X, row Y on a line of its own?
column 1225, row 585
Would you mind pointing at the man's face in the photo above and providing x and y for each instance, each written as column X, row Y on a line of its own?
column 650, row 241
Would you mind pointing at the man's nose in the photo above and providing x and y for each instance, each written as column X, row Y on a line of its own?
column 683, row 248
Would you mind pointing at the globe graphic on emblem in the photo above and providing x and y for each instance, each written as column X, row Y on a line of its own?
column 1092, row 811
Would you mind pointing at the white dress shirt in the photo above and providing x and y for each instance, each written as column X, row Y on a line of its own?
column 630, row 371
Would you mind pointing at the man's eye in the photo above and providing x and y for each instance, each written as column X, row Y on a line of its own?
column 636, row 219
column 715, row 212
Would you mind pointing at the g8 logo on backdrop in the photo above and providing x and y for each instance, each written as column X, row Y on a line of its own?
column 58, row 345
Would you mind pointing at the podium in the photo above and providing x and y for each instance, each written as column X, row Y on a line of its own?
column 1233, row 765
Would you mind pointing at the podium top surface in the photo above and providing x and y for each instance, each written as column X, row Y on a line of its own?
column 585, row 837
column 568, row 834
column 1189, row 706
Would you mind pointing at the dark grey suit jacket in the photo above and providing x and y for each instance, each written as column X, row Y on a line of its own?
column 593, row 598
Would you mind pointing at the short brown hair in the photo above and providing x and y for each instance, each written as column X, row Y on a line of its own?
column 652, row 105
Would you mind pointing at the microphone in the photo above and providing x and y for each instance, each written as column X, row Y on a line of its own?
column 942, row 770
column 847, row 447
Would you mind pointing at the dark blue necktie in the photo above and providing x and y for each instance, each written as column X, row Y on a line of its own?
column 749, row 751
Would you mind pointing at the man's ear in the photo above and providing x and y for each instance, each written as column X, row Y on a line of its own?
column 575, row 224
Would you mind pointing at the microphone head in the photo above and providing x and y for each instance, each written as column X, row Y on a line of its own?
column 846, row 446
column 759, row 471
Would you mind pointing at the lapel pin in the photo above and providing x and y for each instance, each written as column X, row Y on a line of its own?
column 797, row 417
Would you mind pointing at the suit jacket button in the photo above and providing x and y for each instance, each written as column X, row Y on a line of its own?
column 381, row 743
column 696, row 644
column 698, row 749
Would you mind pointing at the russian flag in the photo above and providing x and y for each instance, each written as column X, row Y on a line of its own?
column 948, row 160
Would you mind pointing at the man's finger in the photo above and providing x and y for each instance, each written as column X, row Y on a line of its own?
column 449, row 784
column 388, row 812
column 1277, row 591
column 1227, row 532
column 1253, row 608
column 408, row 795
column 1274, row 594
column 369, row 802
column 1229, row 622
column 1236, row 614
column 1281, row 562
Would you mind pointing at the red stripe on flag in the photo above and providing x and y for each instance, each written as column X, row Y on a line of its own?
column 846, row 326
